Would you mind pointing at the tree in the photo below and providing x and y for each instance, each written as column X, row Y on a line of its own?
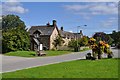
column 76, row 44
column 100, row 36
column 72, row 43
column 15, row 36
column 58, row 41
column 83, row 41
column 116, row 37
column 12, row 21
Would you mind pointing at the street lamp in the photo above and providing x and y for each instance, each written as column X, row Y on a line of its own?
column 77, row 36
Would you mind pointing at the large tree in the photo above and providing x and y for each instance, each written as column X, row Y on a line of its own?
column 15, row 36
column 116, row 37
column 101, row 36
column 12, row 21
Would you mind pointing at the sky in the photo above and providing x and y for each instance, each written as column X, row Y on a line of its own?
column 98, row 16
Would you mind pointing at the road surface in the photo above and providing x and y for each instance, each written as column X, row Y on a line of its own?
column 12, row 63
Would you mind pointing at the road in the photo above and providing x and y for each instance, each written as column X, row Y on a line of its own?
column 12, row 63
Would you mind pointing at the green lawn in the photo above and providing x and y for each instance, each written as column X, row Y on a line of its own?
column 55, row 53
column 105, row 68
column 21, row 53
column 32, row 53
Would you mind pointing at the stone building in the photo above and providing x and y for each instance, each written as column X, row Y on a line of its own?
column 44, row 35
column 68, row 36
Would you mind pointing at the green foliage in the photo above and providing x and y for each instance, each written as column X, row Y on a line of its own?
column 58, row 41
column 102, row 37
column 15, row 39
column 11, row 21
column 81, row 42
column 72, row 43
column 15, row 36
column 116, row 37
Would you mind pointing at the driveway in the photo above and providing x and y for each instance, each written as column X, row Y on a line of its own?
column 12, row 63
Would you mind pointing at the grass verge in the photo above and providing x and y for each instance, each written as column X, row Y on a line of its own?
column 105, row 68
column 32, row 53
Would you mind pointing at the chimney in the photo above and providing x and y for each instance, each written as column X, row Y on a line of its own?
column 48, row 24
column 54, row 22
column 80, row 31
column 61, row 28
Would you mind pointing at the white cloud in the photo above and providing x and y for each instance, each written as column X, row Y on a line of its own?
column 75, row 7
column 71, row 31
column 110, row 22
column 94, row 8
column 13, row 6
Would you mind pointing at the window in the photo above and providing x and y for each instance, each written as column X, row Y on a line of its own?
column 36, row 35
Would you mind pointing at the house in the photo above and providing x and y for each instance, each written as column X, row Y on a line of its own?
column 78, row 35
column 68, row 36
column 44, row 35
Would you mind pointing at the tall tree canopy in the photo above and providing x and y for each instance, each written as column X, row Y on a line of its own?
column 102, row 36
column 12, row 21
column 15, row 36
column 116, row 37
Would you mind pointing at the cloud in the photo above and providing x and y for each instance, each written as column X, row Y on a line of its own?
column 71, row 31
column 13, row 6
column 110, row 22
column 93, row 8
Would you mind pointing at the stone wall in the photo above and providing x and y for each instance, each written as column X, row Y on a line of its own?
column 53, row 37
column 66, row 41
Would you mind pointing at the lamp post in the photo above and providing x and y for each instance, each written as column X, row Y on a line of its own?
column 77, row 37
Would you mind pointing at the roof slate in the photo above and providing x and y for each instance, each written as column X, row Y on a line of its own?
column 66, row 34
column 45, row 30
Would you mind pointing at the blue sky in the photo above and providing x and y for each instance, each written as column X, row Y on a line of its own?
column 98, row 16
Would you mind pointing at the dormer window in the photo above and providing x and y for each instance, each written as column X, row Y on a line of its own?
column 37, row 34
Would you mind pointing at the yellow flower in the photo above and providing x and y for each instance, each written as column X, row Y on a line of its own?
column 106, row 45
column 92, row 39
column 102, row 43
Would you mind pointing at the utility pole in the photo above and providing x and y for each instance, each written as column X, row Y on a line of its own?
column 77, row 36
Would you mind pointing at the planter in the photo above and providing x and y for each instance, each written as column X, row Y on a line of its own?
column 110, row 56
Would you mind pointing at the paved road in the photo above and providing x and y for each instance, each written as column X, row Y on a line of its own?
column 12, row 63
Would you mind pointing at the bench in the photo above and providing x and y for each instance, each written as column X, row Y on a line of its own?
column 40, row 53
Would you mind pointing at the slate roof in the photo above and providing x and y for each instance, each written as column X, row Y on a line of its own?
column 45, row 30
column 65, row 34
column 78, row 35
